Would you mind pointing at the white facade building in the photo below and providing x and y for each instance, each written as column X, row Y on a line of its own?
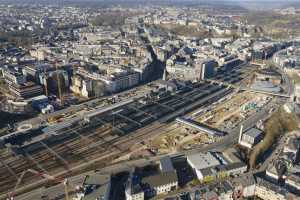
column 201, row 161
column 134, row 196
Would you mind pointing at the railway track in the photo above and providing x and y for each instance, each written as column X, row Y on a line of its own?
column 78, row 150
column 19, row 164
column 50, row 164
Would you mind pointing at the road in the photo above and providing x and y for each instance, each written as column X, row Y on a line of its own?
column 278, row 146
column 228, row 141
column 289, row 85
column 37, row 121
column 128, row 141
column 57, row 190
column 241, row 88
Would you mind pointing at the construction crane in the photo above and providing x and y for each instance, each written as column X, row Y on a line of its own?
column 66, row 183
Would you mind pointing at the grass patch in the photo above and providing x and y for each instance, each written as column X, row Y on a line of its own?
column 275, row 24
column 183, row 30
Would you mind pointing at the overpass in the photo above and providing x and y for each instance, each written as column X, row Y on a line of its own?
column 241, row 88
column 258, row 64
column 263, row 92
column 198, row 126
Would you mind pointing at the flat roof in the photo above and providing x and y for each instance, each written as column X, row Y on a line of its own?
column 231, row 155
column 253, row 132
column 265, row 86
column 40, row 97
column 235, row 165
column 98, row 185
column 202, row 160
column 161, row 179
column 166, row 164
column 271, row 186
column 245, row 181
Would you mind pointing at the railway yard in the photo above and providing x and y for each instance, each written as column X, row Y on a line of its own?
column 103, row 134
column 148, row 100
column 109, row 134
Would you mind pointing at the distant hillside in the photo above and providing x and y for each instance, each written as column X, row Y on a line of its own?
column 274, row 23
column 107, row 3
column 267, row 4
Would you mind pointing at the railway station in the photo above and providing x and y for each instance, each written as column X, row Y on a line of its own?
column 101, row 131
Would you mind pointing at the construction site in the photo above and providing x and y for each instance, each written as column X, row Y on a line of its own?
column 230, row 113
column 95, row 138
column 98, row 133
column 201, row 126
column 218, row 118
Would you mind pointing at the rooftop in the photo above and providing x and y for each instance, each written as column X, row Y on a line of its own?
column 265, row 86
column 231, row 155
column 245, row 181
column 269, row 72
column 96, row 186
column 235, row 165
column 202, row 160
column 161, row 179
column 271, row 186
column 253, row 132
column 133, row 185
column 294, row 178
column 293, row 144
column 166, row 164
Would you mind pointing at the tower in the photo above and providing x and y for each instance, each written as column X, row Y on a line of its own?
column 164, row 75
column 241, row 133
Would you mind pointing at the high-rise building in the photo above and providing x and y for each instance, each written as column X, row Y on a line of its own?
column 208, row 69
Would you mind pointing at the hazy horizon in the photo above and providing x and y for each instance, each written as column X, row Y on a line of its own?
column 246, row 4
